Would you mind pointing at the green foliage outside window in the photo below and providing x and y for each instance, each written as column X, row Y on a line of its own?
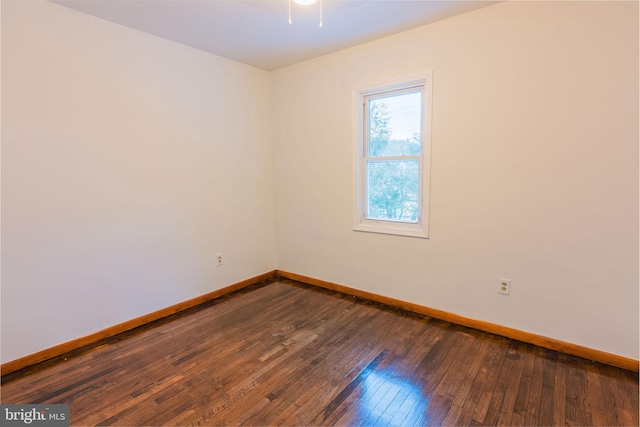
column 392, row 185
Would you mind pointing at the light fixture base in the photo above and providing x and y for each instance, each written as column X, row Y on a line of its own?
column 305, row 3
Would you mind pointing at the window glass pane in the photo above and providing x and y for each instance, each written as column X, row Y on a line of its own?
column 392, row 190
column 394, row 125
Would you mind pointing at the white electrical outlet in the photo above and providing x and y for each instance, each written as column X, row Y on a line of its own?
column 219, row 260
column 504, row 286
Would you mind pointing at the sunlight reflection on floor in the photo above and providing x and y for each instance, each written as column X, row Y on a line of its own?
column 389, row 399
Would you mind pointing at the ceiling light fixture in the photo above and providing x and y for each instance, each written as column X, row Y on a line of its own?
column 305, row 3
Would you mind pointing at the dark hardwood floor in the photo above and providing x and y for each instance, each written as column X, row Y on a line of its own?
column 290, row 354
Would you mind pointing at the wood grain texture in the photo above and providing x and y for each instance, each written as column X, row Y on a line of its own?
column 286, row 353
column 74, row 345
column 527, row 337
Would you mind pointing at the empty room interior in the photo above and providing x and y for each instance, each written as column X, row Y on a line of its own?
column 344, row 213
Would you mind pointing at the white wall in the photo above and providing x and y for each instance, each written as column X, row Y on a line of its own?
column 128, row 162
column 534, row 170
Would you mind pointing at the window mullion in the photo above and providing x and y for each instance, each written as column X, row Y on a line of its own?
column 392, row 158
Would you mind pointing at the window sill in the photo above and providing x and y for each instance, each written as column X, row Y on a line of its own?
column 406, row 230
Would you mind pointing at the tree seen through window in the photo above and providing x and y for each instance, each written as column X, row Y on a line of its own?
column 392, row 166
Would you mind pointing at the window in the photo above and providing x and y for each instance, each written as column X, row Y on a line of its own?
column 392, row 158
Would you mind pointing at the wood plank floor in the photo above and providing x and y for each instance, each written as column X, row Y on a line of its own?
column 284, row 353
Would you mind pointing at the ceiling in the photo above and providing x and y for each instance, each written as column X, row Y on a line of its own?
column 257, row 32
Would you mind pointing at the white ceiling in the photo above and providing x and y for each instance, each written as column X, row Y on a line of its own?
column 257, row 32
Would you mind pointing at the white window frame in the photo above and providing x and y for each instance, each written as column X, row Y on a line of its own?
column 360, row 220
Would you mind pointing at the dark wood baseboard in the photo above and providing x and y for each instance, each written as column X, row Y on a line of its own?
column 527, row 337
column 67, row 347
